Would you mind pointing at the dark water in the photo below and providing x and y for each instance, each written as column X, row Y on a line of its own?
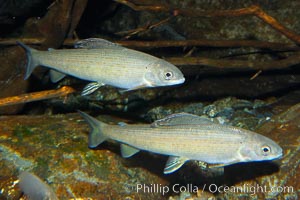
column 49, row 138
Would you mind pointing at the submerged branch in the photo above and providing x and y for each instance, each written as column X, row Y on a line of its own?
column 236, row 64
column 210, row 43
column 145, row 28
column 36, row 96
column 252, row 10
column 172, row 43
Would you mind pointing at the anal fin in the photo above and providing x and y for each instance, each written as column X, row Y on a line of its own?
column 128, row 151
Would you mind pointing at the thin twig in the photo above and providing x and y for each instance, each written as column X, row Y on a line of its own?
column 252, row 10
column 256, row 75
column 139, row 30
column 155, row 8
column 209, row 43
column 36, row 96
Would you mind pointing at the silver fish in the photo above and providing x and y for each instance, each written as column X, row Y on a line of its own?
column 186, row 137
column 104, row 63
column 34, row 188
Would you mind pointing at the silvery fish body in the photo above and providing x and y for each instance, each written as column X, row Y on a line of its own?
column 105, row 63
column 187, row 137
column 34, row 188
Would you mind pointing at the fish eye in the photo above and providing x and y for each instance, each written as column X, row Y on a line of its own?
column 266, row 150
column 168, row 75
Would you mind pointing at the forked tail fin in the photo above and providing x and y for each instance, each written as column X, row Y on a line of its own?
column 31, row 63
column 96, row 135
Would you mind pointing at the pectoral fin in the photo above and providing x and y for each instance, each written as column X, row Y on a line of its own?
column 90, row 88
column 56, row 76
column 174, row 163
column 128, row 151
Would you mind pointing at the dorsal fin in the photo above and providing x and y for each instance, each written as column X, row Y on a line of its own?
column 122, row 124
column 181, row 119
column 96, row 43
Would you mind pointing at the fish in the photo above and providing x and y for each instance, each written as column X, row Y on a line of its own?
column 184, row 137
column 34, row 188
column 104, row 63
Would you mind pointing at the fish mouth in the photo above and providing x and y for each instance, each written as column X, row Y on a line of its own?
column 279, row 156
column 178, row 81
column 169, row 83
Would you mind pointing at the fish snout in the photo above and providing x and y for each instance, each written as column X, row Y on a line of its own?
column 178, row 81
column 280, row 153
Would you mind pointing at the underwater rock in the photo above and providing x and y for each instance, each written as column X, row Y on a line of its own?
column 11, row 77
column 163, row 111
column 55, row 148
column 230, row 110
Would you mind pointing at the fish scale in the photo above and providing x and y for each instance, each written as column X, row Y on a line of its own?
column 93, row 56
column 182, row 141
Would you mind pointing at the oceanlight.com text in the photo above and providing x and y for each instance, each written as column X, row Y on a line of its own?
column 246, row 188
column 213, row 188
